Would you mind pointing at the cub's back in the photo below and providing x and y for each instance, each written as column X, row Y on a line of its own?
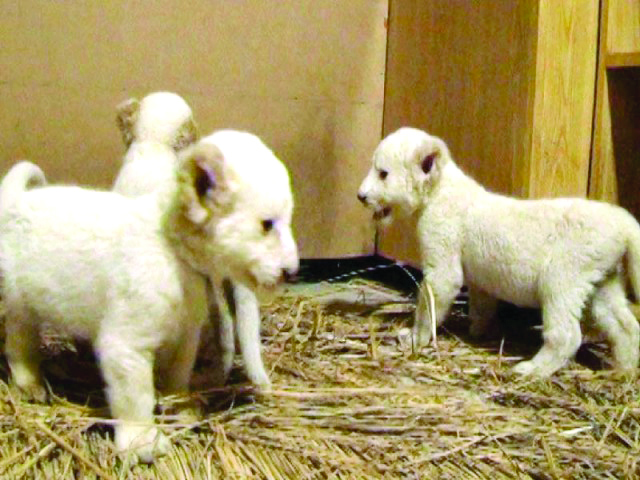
column 63, row 250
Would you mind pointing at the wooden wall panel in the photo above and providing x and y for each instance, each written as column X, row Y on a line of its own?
column 623, row 33
column 457, row 72
column 616, row 142
column 509, row 85
column 564, row 97
column 464, row 71
column 602, row 179
column 305, row 75
column 603, row 184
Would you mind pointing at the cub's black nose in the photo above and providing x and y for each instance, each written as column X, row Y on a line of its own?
column 289, row 275
column 362, row 197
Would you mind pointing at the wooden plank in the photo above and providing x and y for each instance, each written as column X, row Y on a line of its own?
column 616, row 142
column 623, row 33
column 602, row 179
column 306, row 75
column 621, row 60
column 464, row 71
column 564, row 97
column 458, row 72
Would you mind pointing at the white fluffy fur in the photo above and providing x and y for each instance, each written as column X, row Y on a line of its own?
column 148, row 166
column 565, row 256
column 129, row 273
column 163, row 117
column 262, row 191
column 256, row 167
column 153, row 129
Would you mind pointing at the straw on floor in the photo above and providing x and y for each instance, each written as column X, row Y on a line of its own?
column 349, row 401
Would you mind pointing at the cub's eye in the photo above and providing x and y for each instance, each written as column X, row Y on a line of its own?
column 267, row 226
column 382, row 174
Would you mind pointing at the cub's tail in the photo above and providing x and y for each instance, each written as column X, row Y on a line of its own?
column 21, row 177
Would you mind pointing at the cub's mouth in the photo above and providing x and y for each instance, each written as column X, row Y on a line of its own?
column 247, row 278
column 265, row 285
column 381, row 213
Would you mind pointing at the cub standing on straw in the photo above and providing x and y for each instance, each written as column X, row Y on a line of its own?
column 562, row 255
column 129, row 274
column 153, row 129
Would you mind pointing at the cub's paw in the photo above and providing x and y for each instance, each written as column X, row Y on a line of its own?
column 260, row 380
column 263, row 390
column 540, row 369
column 32, row 392
column 27, row 381
column 186, row 412
column 479, row 327
column 524, row 368
column 264, row 386
column 181, row 408
column 405, row 339
column 419, row 339
column 145, row 443
column 531, row 369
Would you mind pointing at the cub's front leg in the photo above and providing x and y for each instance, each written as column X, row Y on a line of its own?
column 246, row 326
column 175, row 362
column 248, row 323
column 220, row 292
column 445, row 279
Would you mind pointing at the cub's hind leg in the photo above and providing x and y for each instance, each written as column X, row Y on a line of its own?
column 564, row 291
column 611, row 314
column 482, row 311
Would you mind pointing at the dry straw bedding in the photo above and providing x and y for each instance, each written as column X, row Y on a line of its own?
column 350, row 401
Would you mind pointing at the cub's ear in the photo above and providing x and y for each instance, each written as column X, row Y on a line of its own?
column 187, row 135
column 127, row 114
column 434, row 157
column 202, row 181
column 428, row 161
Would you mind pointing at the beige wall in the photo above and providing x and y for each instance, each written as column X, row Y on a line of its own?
column 305, row 75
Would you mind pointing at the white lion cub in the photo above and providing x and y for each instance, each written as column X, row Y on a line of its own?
column 562, row 255
column 129, row 273
column 153, row 129
column 149, row 166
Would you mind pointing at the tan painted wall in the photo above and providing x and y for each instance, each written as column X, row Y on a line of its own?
column 305, row 75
